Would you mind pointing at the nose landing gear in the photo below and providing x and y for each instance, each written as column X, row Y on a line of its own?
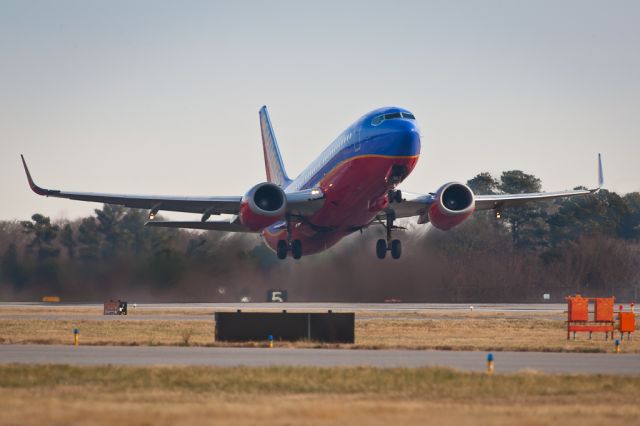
column 390, row 244
column 395, row 196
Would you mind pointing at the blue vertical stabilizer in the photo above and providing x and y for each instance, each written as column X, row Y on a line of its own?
column 272, row 158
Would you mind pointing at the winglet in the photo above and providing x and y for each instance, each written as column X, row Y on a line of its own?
column 35, row 188
column 600, row 176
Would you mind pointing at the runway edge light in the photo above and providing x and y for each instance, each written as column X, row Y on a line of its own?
column 76, row 336
column 490, row 364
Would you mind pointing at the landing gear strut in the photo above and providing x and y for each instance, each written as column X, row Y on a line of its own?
column 394, row 246
column 284, row 246
column 394, row 196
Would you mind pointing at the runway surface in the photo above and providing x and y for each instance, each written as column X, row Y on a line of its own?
column 336, row 307
column 505, row 362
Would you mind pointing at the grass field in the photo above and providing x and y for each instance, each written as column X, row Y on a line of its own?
column 414, row 330
column 34, row 395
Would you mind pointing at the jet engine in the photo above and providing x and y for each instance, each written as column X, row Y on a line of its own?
column 454, row 204
column 263, row 205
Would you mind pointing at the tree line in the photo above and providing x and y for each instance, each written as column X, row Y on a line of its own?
column 589, row 245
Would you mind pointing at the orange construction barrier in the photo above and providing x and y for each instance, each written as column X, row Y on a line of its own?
column 604, row 309
column 578, row 309
column 626, row 322
column 578, row 316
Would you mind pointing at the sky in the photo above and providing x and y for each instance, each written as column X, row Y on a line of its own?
column 152, row 97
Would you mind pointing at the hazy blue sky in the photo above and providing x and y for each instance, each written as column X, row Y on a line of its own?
column 163, row 97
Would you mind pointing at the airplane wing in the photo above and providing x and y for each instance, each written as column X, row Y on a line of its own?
column 298, row 203
column 487, row 202
column 418, row 204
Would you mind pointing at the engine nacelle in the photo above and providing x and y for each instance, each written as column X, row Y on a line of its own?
column 454, row 204
column 263, row 205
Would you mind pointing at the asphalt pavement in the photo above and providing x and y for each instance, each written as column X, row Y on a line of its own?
column 505, row 362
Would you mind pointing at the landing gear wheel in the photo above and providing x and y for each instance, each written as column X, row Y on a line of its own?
column 396, row 249
column 381, row 249
column 281, row 249
column 296, row 249
column 394, row 196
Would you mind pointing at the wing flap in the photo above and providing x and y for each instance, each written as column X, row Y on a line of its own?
column 305, row 202
column 209, row 225
column 413, row 204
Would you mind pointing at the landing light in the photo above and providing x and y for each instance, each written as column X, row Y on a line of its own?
column 498, row 214
column 315, row 192
column 154, row 211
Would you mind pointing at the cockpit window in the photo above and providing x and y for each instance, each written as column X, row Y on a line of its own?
column 380, row 118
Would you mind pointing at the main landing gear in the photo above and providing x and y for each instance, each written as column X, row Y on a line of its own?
column 284, row 246
column 394, row 246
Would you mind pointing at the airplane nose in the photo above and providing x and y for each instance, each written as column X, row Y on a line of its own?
column 406, row 140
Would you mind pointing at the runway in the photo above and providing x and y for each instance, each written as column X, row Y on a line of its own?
column 310, row 307
column 505, row 362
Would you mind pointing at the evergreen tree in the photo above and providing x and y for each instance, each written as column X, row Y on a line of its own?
column 483, row 183
column 42, row 234
column 12, row 270
column 89, row 240
column 527, row 223
column 67, row 240
column 631, row 221
column 108, row 226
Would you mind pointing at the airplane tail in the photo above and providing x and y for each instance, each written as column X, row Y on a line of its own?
column 272, row 158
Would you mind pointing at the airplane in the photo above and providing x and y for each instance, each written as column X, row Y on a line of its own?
column 352, row 185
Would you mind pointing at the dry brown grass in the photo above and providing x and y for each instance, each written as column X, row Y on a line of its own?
column 459, row 330
column 478, row 332
column 115, row 331
column 67, row 310
column 34, row 395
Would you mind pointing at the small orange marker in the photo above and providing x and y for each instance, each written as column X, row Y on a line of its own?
column 490, row 364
